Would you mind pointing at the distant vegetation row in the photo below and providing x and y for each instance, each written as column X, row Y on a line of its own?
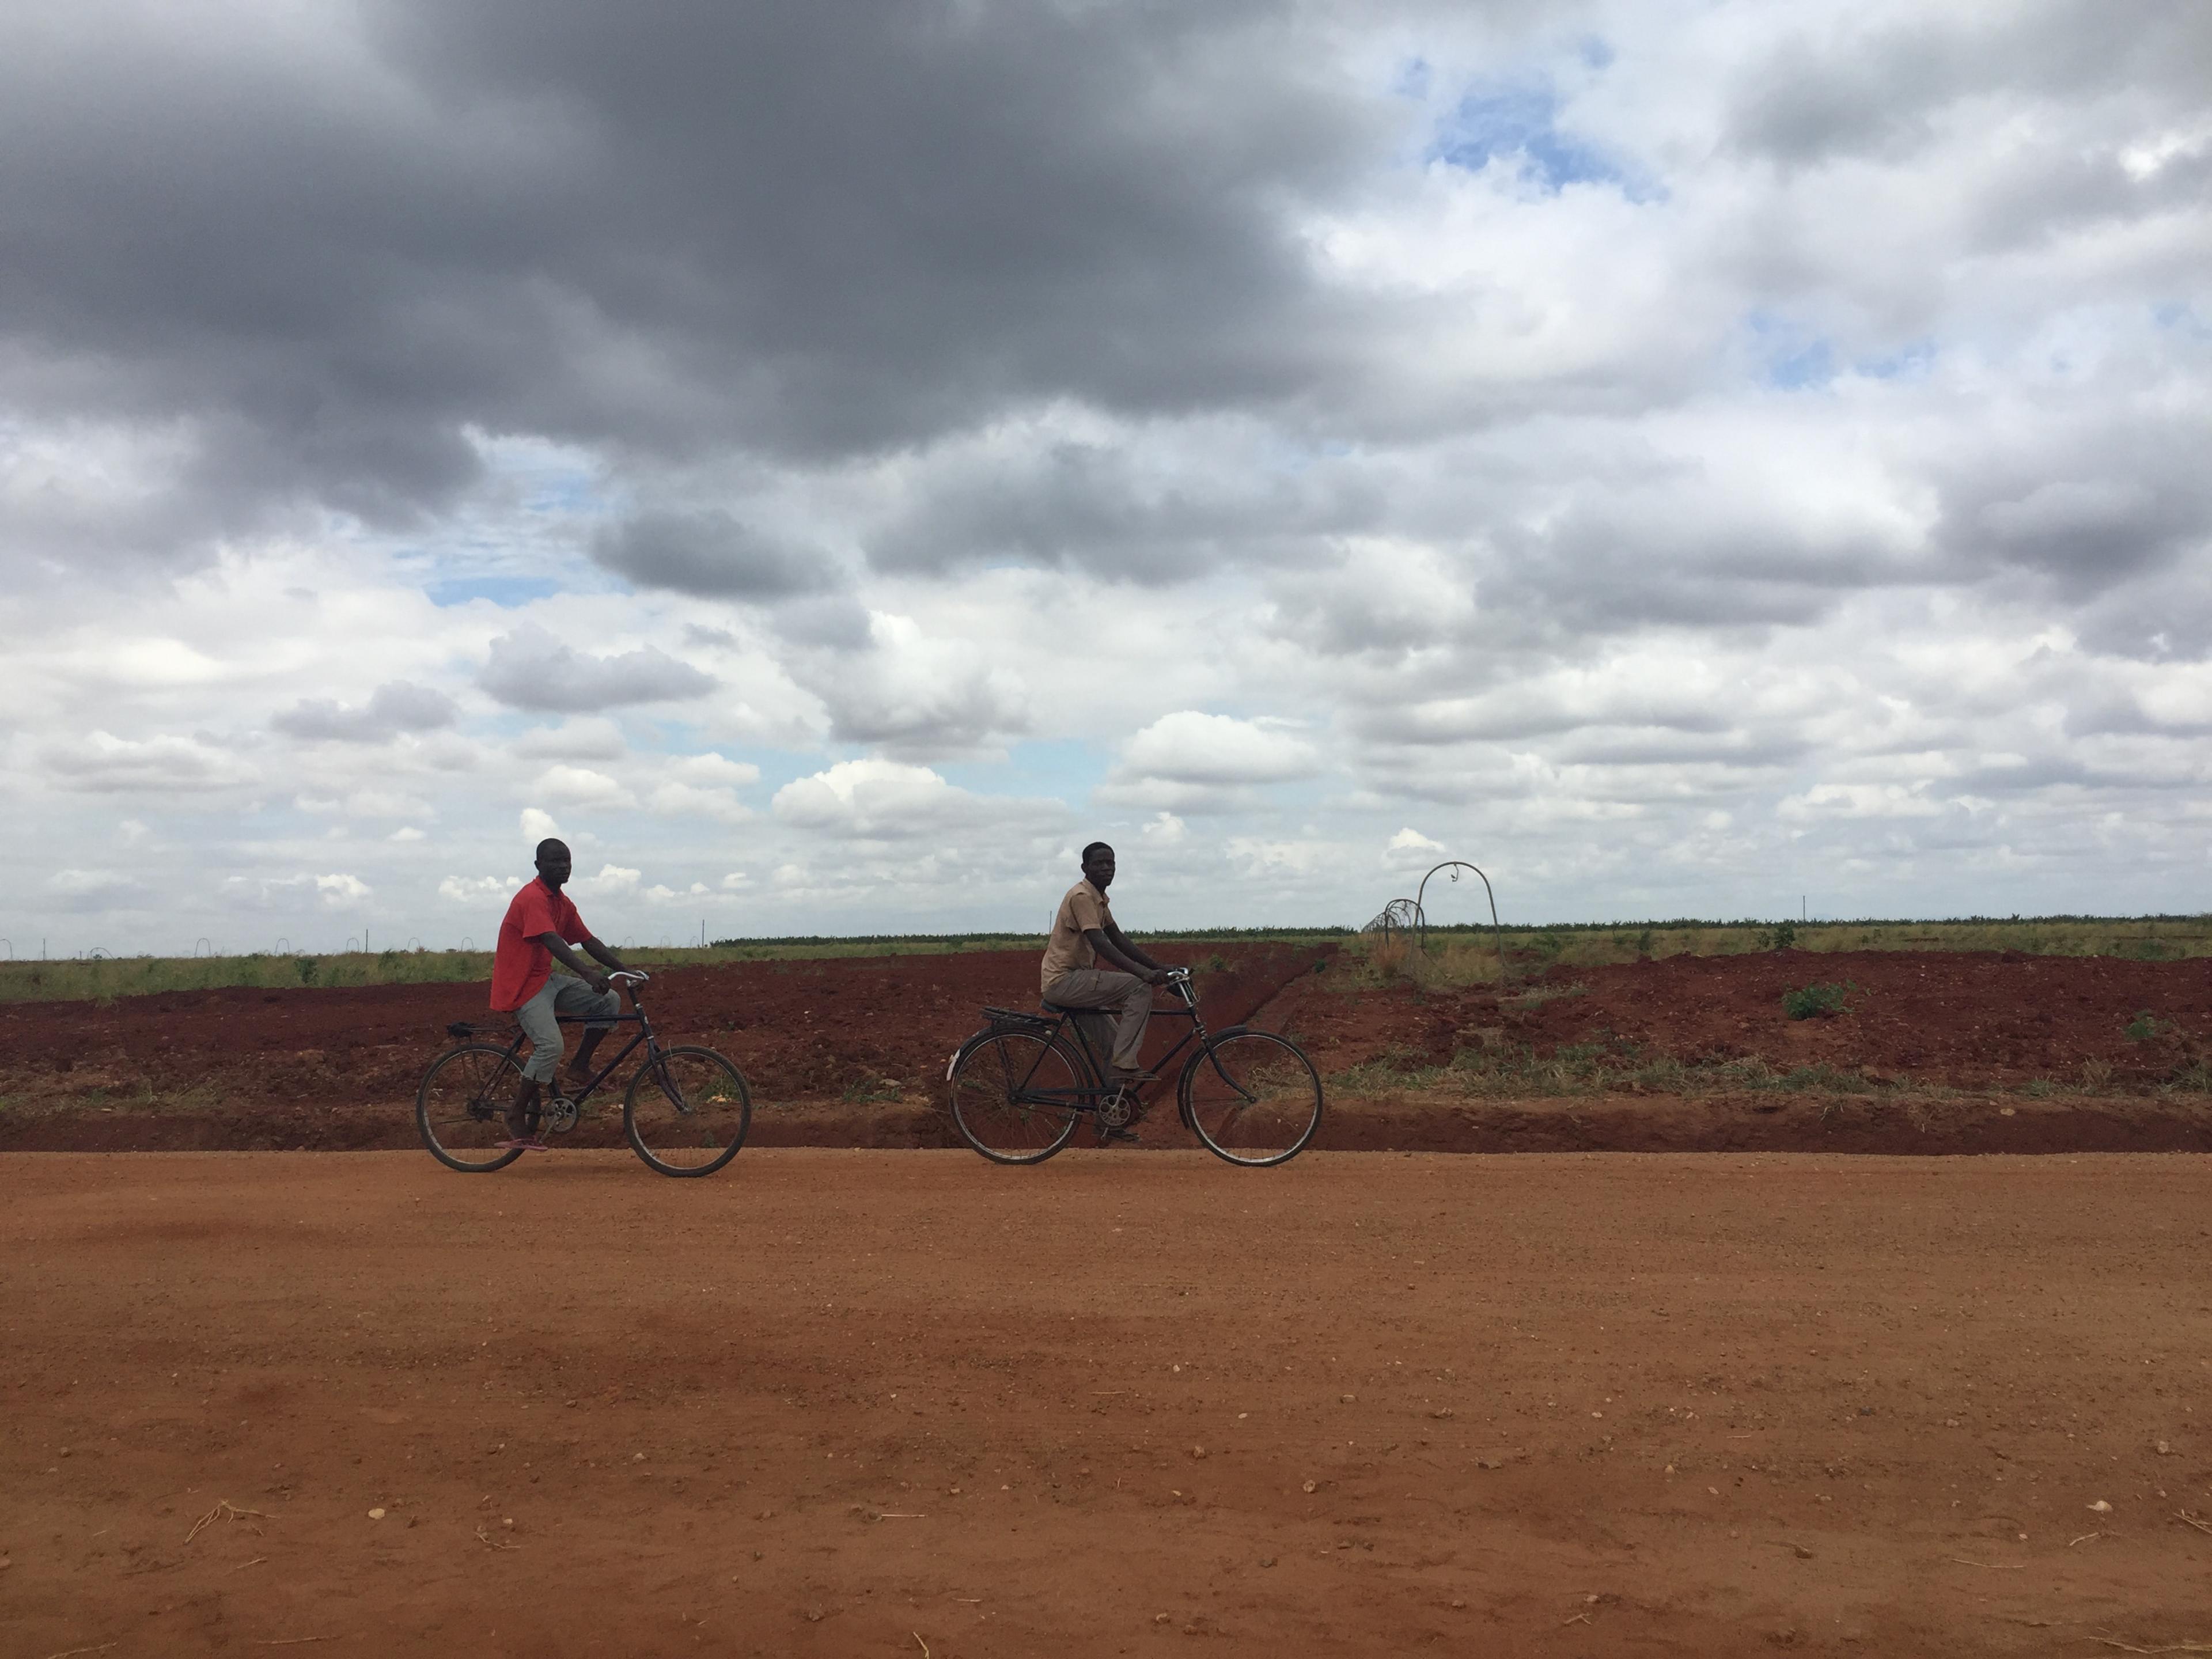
column 1460, row 953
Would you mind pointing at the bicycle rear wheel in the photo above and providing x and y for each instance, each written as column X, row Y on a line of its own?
column 461, row 1108
column 1254, row 1097
column 686, row 1113
column 1014, row 1096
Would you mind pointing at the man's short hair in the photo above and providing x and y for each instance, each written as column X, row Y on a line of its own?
column 1095, row 847
column 550, row 845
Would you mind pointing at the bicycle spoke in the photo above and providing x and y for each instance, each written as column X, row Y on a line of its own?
column 1254, row 1097
column 687, row 1112
column 460, row 1108
column 1013, row 1097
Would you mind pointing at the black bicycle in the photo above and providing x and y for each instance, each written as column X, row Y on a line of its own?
column 685, row 1112
column 1019, row 1086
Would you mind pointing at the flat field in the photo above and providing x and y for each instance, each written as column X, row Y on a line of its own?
column 1927, row 1051
column 852, row 1403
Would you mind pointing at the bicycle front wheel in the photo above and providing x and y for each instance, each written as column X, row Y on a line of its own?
column 1254, row 1097
column 687, row 1112
column 461, row 1108
column 1014, row 1096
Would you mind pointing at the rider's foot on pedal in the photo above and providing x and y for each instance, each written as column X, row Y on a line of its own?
column 525, row 1144
column 1121, row 1080
column 1129, row 1135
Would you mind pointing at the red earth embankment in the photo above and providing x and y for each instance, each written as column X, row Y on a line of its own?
column 1933, row 1053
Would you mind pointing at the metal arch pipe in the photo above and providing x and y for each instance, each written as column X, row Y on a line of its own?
column 1421, row 915
column 1397, row 917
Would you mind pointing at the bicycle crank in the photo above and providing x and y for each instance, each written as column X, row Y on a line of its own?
column 1117, row 1110
column 558, row 1115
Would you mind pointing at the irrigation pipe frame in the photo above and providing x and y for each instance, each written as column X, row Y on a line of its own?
column 1409, row 916
column 1497, row 934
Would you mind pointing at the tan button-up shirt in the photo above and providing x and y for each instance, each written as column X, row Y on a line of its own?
column 1085, row 907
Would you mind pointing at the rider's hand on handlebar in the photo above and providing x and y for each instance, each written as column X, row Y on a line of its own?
column 598, row 982
column 1161, row 976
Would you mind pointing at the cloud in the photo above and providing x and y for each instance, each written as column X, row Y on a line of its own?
column 889, row 800
column 615, row 883
column 341, row 891
column 1190, row 747
column 579, row 786
column 394, row 707
column 1380, row 598
column 538, row 826
column 586, row 738
column 711, row 554
column 915, row 695
column 107, row 764
column 479, row 891
column 685, row 799
column 1646, row 452
column 529, row 669
column 712, row 770
column 84, row 890
column 335, row 891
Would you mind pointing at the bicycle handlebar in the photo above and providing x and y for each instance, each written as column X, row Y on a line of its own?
column 633, row 975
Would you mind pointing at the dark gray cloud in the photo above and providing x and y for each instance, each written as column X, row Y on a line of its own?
column 709, row 553
column 165, row 764
column 2089, row 500
column 393, row 708
column 1880, row 90
column 1112, row 513
column 327, row 251
column 530, row 668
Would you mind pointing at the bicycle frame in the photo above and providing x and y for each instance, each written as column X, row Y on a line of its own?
column 1090, row 1099
column 645, row 1035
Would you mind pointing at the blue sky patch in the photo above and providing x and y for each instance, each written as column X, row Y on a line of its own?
column 1520, row 123
column 506, row 592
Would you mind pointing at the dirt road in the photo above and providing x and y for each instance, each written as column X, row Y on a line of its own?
column 858, row 1403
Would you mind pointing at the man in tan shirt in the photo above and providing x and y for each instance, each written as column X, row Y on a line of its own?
column 1084, row 934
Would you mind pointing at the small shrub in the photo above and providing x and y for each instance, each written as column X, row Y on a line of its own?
column 304, row 966
column 2146, row 1027
column 1386, row 956
column 1643, row 946
column 2096, row 1074
column 1816, row 1001
column 1783, row 936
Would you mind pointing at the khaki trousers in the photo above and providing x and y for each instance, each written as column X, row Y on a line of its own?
column 1102, row 987
column 540, row 1017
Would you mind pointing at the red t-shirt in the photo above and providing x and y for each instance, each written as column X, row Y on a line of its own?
column 520, row 966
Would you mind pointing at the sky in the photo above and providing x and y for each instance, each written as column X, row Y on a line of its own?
column 830, row 463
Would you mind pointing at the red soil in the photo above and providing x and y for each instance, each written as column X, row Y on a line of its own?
column 1968, row 1020
column 852, row 1053
column 277, row 1065
column 875, row 1404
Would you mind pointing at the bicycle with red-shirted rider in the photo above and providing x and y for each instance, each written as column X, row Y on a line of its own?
column 685, row 1112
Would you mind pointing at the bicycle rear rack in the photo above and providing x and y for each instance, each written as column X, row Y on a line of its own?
column 1017, row 1019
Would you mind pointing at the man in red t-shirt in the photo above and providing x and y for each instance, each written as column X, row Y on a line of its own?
column 541, row 925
